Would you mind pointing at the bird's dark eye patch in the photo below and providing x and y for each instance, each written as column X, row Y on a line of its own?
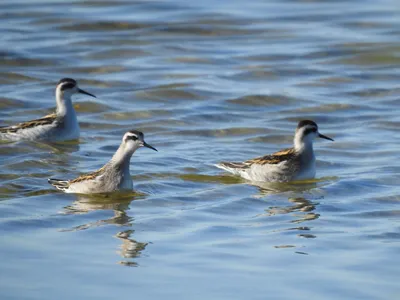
column 132, row 137
column 309, row 130
column 67, row 86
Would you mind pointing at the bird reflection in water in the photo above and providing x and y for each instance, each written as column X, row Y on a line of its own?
column 129, row 248
column 269, row 188
column 301, row 205
column 297, row 204
column 119, row 204
column 299, row 208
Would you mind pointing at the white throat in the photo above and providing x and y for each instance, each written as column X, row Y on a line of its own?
column 64, row 104
column 303, row 144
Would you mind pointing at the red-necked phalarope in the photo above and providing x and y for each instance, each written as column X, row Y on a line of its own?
column 297, row 163
column 113, row 176
column 60, row 126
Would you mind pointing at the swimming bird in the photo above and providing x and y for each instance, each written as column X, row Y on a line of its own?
column 59, row 126
column 296, row 163
column 113, row 176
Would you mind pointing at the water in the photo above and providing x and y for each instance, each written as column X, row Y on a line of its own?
column 205, row 81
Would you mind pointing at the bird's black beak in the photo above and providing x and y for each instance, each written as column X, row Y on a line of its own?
column 324, row 137
column 148, row 146
column 86, row 93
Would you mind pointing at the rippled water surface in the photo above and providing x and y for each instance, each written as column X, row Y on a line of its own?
column 205, row 81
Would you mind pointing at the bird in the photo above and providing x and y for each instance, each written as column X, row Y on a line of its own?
column 113, row 176
column 291, row 164
column 59, row 126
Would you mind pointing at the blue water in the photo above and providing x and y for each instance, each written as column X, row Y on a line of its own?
column 206, row 82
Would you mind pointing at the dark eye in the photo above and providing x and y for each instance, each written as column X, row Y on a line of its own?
column 309, row 130
column 132, row 137
column 67, row 86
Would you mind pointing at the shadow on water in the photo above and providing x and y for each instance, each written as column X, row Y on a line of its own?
column 265, row 188
column 60, row 147
column 53, row 147
column 41, row 147
column 223, row 179
column 109, row 201
column 268, row 188
column 119, row 204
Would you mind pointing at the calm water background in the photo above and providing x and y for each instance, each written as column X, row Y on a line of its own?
column 205, row 81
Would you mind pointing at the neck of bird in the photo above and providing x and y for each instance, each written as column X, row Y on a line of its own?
column 122, row 158
column 64, row 104
column 303, row 145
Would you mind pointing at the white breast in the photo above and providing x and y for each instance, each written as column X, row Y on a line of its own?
column 307, row 171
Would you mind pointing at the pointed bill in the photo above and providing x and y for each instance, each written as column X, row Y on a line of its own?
column 86, row 93
column 325, row 137
column 149, row 146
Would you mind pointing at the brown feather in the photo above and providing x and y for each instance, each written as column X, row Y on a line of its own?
column 46, row 120
column 234, row 165
column 273, row 159
column 88, row 176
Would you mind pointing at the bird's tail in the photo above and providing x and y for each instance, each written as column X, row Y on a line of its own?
column 231, row 167
column 59, row 184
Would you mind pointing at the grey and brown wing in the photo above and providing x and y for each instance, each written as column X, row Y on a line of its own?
column 88, row 176
column 64, row 185
column 47, row 120
column 273, row 159
column 234, row 165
